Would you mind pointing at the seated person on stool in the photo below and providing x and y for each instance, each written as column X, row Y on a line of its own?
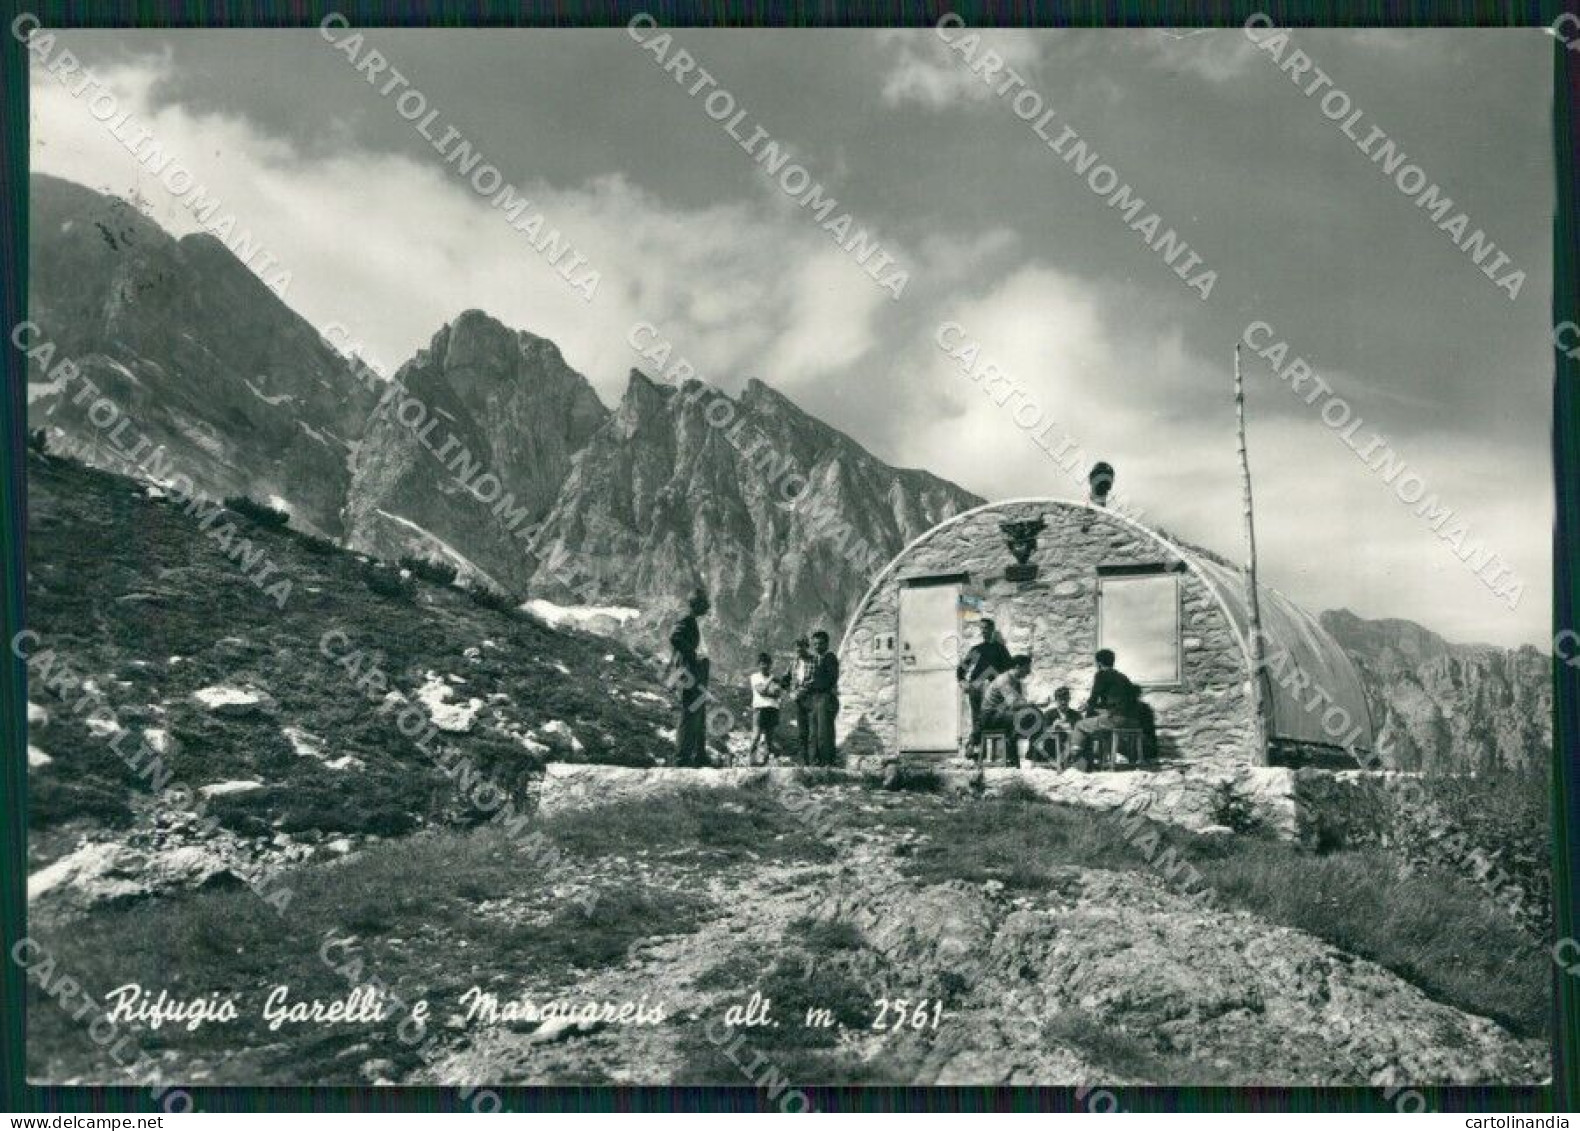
column 1111, row 706
column 1006, row 710
column 1061, row 720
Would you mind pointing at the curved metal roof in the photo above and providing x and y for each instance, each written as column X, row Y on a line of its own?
column 1293, row 640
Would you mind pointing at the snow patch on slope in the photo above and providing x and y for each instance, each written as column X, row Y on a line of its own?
column 589, row 618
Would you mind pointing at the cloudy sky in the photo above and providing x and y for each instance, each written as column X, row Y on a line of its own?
column 995, row 232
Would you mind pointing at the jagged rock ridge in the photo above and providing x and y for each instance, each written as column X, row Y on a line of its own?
column 782, row 518
column 481, row 455
column 1449, row 707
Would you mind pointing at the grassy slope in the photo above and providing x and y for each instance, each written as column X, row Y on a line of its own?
column 430, row 917
column 1433, row 927
column 441, row 912
column 120, row 582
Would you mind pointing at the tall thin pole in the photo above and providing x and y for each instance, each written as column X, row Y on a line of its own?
column 1258, row 666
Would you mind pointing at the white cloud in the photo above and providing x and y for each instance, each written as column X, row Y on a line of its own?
column 921, row 69
column 1330, row 531
column 1215, row 55
column 392, row 248
column 831, row 320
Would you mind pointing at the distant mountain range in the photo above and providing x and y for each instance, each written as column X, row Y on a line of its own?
column 495, row 455
column 1450, row 706
column 498, row 456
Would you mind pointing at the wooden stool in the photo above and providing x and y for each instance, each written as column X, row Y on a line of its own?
column 1126, row 741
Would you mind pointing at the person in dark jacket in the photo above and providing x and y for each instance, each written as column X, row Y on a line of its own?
column 983, row 663
column 1112, row 704
column 688, row 677
column 822, row 696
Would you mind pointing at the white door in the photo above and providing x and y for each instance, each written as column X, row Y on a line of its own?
column 929, row 698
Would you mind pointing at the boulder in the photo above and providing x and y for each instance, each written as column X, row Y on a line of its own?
column 236, row 702
column 229, row 788
column 452, row 718
column 190, row 866
column 559, row 737
column 95, row 873
column 570, row 785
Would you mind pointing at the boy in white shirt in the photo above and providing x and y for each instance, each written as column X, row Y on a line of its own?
column 766, row 692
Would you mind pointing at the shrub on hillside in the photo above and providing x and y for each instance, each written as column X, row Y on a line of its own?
column 440, row 573
column 261, row 513
column 313, row 806
column 1234, row 811
column 914, row 779
column 313, row 544
column 375, row 817
column 491, row 598
column 1495, row 829
column 386, row 581
column 53, row 801
column 38, row 441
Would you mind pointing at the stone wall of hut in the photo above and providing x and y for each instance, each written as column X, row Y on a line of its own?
column 1205, row 719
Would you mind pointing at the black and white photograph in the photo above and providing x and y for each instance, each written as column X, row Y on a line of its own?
column 779, row 558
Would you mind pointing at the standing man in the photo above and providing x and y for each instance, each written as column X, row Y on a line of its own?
column 823, row 699
column 985, row 661
column 1111, row 704
column 766, row 690
column 688, row 675
column 797, row 679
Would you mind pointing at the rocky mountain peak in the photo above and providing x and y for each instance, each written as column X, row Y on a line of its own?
column 1386, row 642
column 760, row 395
column 682, row 493
column 643, row 395
column 1449, row 707
column 239, row 391
column 498, row 402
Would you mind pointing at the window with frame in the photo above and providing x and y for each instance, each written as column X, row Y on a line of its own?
column 1138, row 619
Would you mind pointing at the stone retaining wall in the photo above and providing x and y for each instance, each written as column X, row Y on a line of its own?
column 1317, row 808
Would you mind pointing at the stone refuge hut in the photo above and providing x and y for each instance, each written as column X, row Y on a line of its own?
column 1174, row 614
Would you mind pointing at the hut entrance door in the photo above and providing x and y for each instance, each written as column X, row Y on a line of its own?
column 928, row 706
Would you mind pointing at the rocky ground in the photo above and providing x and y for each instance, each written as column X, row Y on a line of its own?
column 1103, row 972
column 1029, row 942
column 157, row 667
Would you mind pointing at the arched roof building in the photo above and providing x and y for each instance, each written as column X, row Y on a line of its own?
column 1174, row 614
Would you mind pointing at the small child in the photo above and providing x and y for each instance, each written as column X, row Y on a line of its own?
column 1061, row 721
column 766, row 690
